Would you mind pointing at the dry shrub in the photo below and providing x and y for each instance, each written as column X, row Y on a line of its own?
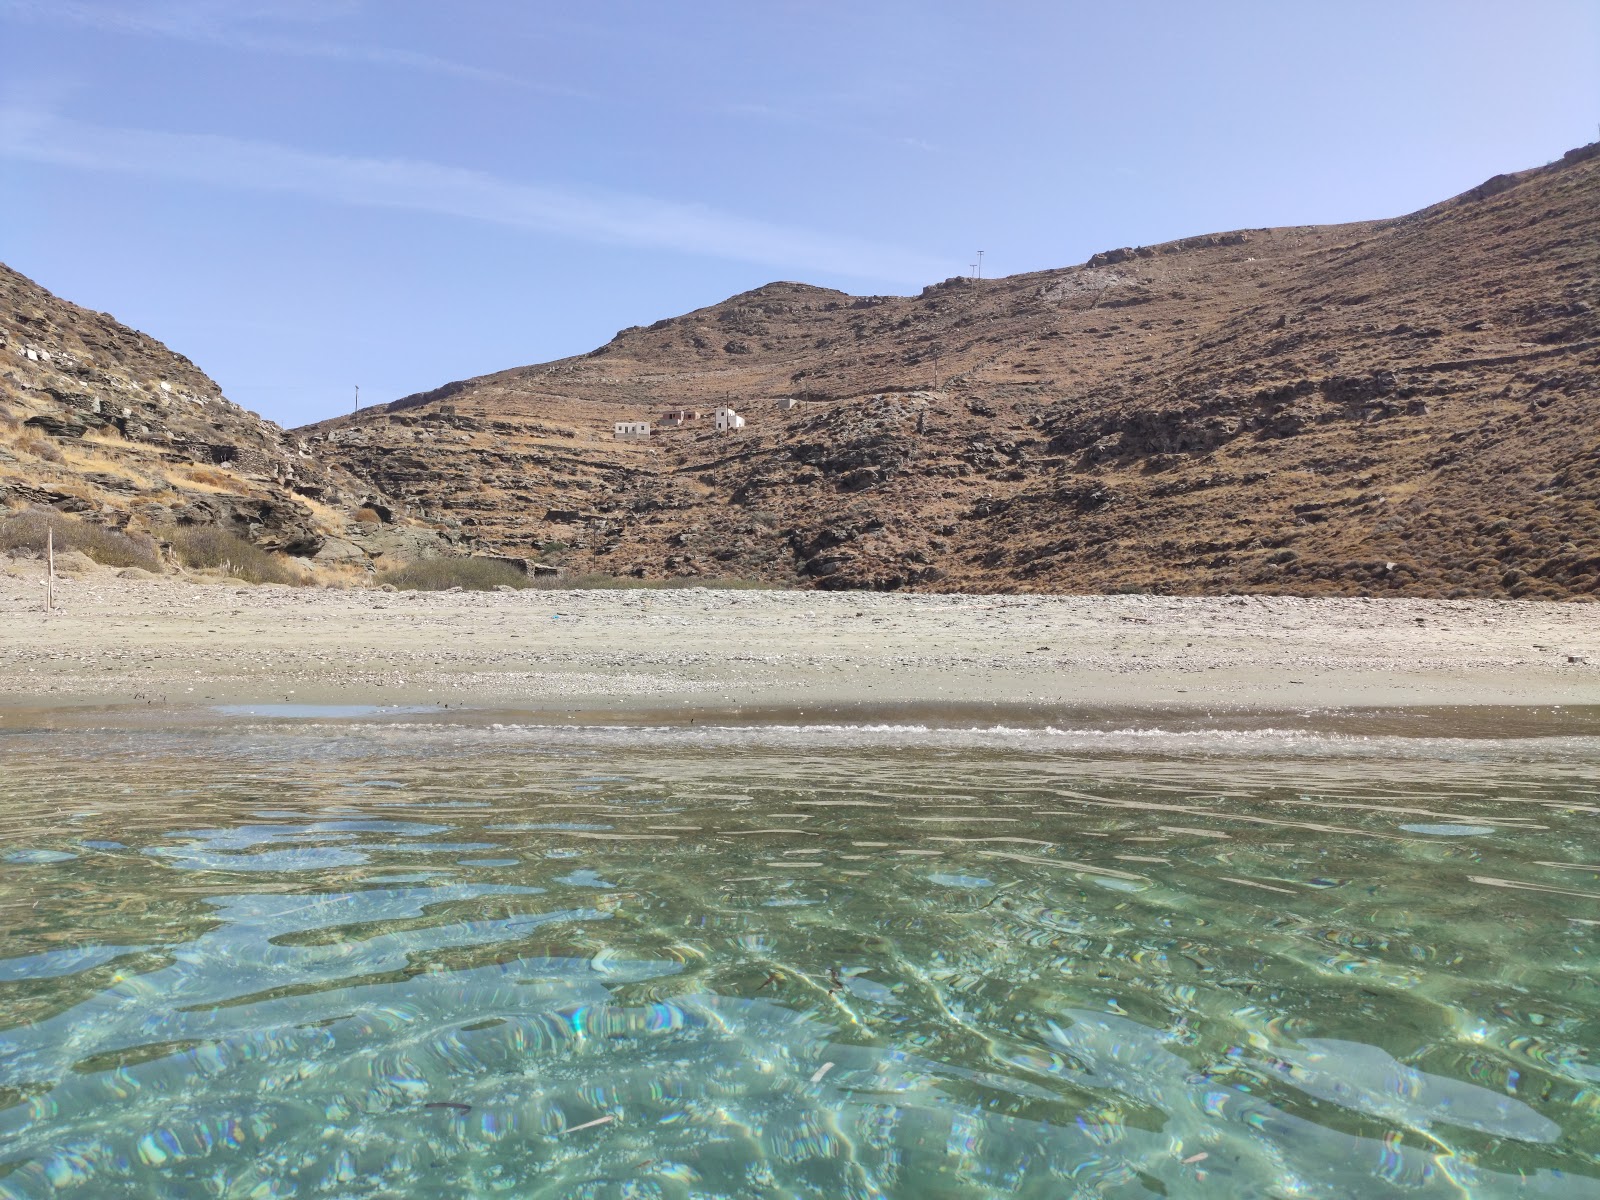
column 367, row 517
column 39, row 447
column 442, row 574
column 203, row 547
column 30, row 530
column 342, row 577
column 211, row 478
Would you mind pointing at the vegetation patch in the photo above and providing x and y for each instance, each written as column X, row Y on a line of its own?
column 205, row 547
column 30, row 531
column 210, row 477
column 442, row 574
column 40, row 447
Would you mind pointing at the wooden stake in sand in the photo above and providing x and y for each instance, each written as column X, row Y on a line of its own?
column 50, row 569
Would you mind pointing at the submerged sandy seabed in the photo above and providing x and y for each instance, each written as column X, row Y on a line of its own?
column 175, row 643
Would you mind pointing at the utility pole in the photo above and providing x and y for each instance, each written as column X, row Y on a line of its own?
column 972, row 270
column 358, row 397
column 980, row 264
column 936, row 368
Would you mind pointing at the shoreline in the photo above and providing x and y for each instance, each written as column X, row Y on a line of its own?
column 1156, row 728
column 174, row 645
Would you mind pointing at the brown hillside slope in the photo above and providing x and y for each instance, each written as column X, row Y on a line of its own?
column 1409, row 406
column 103, row 421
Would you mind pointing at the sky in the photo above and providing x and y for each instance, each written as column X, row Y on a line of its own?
column 310, row 196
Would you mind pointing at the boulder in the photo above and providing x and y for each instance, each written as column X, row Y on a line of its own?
column 520, row 565
column 337, row 550
column 74, row 562
column 61, row 427
column 275, row 522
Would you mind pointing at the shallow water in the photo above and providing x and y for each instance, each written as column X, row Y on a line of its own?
column 342, row 959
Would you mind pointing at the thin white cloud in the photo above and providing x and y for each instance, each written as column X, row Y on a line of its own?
column 609, row 217
column 803, row 114
column 237, row 26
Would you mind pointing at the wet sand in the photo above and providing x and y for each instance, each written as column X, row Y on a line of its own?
column 169, row 643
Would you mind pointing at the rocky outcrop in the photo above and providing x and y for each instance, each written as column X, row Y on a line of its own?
column 105, row 422
column 273, row 521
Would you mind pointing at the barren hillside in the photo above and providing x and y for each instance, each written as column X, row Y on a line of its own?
column 103, row 421
column 1406, row 406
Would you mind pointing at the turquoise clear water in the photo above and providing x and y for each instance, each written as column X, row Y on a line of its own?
column 306, row 958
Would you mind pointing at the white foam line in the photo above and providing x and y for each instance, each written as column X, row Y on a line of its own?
column 1266, row 887
column 605, row 1120
column 1045, row 739
column 1530, row 887
column 1065, row 864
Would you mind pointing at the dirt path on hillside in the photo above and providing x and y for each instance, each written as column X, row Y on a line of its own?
column 173, row 643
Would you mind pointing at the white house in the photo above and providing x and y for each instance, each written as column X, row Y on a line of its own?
column 630, row 429
column 785, row 403
column 727, row 419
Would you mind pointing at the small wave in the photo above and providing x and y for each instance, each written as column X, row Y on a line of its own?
column 1139, row 739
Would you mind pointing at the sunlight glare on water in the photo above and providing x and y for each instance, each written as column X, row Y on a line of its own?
column 298, row 959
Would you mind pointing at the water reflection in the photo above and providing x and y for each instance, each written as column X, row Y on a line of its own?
column 799, row 971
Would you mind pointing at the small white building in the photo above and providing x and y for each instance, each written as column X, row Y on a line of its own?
column 785, row 403
column 727, row 419
column 630, row 429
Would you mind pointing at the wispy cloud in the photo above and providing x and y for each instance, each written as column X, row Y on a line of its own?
column 610, row 217
column 839, row 121
column 250, row 27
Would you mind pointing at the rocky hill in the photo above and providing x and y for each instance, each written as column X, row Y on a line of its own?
column 103, row 421
column 1406, row 406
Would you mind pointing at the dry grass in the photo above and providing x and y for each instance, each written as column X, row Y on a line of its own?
column 325, row 515
column 30, row 531
column 104, row 460
column 367, row 517
column 210, row 477
column 341, row 577
column 40, row 447
column 205, row 547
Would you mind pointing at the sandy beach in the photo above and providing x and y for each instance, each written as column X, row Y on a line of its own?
column 172, row 643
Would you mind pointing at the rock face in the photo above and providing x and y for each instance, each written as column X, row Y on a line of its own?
column 1408, row 406
column 103, row 421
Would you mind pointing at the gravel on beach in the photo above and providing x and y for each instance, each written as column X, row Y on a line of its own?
column 175, row 642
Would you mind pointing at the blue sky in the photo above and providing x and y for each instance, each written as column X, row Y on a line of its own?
column 307, row 195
